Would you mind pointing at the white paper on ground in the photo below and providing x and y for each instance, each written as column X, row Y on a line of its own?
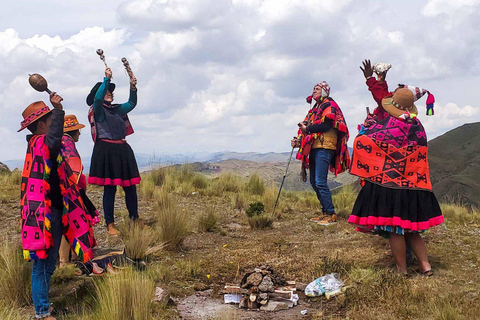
column 232, row 298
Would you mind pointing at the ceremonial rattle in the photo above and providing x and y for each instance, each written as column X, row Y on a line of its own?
column 129, row 70
column 102, row 57
column 38, row 83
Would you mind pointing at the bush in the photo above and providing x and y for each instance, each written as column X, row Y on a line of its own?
column 14, row 275
column 256, row 185
column 262, row 221
column 228, row 182
column 199, row 182
column 172, row 226
column 255, row 209
column 127, row 295
column 208, row 220
column 257, row 218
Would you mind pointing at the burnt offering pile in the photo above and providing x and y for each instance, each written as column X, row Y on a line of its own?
column 261, row 288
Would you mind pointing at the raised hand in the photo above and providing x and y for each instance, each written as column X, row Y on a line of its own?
column 133, row 82
column 56, row 100
column 295, row 143
column 108, row 73
column 367, row 69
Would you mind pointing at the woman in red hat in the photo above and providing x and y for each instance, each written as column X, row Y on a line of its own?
column 113, row 161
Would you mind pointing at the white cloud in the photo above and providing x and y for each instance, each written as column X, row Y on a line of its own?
column 217, row 75
column 437, row 7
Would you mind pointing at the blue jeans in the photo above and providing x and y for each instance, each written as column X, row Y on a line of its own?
column 319, row 164
column 43, row 269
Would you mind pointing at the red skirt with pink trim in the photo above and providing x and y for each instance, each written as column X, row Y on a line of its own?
column 411, row 210
column 113, row 164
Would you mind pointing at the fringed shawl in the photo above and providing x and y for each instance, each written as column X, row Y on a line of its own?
column 326, row 109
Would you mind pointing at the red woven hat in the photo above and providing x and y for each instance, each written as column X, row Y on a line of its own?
column 32, row 113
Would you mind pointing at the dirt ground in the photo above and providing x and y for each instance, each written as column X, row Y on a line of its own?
column 300, row 250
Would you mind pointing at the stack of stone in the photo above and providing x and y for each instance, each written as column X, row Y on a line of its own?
column 265, row 290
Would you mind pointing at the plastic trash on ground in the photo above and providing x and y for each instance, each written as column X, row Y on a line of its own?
column 327, row 285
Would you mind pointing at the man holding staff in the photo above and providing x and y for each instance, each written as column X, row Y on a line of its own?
column 322, row 139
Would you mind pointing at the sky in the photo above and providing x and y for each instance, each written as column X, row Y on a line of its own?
column 233, row 74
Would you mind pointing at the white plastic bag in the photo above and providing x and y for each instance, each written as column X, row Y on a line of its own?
column 328, row 283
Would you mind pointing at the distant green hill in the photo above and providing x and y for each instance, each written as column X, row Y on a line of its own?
column 455, row 164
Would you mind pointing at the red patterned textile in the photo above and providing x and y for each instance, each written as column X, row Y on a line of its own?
column 36, row 206
column 393, row 153
column 78, row 222
column 326, row 109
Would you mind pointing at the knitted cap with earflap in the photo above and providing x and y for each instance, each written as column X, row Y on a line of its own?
column 420, row 92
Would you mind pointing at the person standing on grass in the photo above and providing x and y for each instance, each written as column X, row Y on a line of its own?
column 391, row 158
column 379, row 89
column 47, row 213
column 77, row 190
column 322, row 142
column 113, row 162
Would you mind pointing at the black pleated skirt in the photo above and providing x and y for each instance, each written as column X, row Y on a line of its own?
column 390, row 209
column 113, row 164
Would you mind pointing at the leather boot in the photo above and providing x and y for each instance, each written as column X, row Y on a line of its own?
column 112, row 230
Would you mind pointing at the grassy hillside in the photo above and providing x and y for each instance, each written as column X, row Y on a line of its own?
column 455, row 164
column 197, row 237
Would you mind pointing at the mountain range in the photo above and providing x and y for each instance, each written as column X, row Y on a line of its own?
column 454, row 160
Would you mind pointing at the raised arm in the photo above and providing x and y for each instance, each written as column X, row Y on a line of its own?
column 100, row 95
column 53, row 138
column 130, row 105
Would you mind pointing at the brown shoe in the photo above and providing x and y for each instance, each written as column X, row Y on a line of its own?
column 328, row 220
column 111, row 230
column 318, row 218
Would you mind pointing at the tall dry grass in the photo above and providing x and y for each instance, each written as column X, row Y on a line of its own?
column 228, row 182
column 147, row 188
column 10, row 312
column 269, row 197
column 460, row 214
column 173, row 226
column 125, row 296
column 163, row 199
column 208, row 220
column 344, row 200
column 14, row 275
column 256, row 185
column 137, row 239
column 238, row 200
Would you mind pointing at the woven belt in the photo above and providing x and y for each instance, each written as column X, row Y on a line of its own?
column 121, row 141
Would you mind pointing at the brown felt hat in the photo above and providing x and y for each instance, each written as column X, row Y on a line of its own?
column 71, row 123
column 401, row 101
column 32, row 113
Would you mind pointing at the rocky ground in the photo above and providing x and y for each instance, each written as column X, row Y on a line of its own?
column 194, row 276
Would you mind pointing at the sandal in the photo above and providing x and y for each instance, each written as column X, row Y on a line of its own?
column 427, row 273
